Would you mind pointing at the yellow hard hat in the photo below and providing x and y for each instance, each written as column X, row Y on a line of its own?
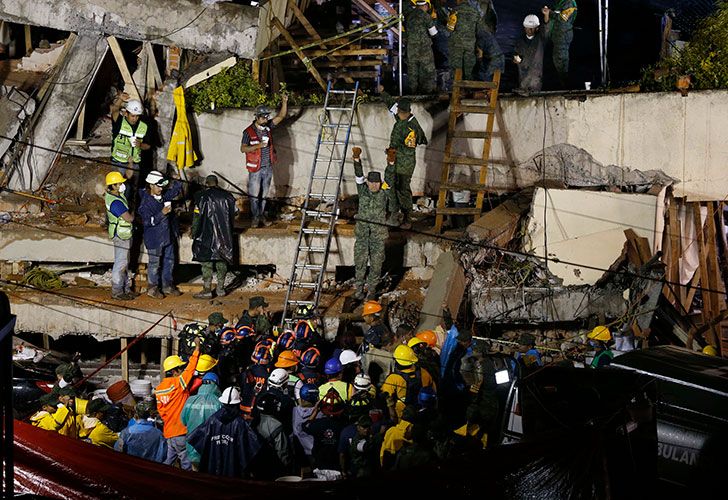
column 600, row 333
column 414, row 341
column 172, row 362
column 405, row 356
column 114, row 178
column 710, row 350
column 371, row 307
column 206, row 363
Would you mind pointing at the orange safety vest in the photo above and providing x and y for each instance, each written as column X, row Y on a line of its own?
column 252, row 158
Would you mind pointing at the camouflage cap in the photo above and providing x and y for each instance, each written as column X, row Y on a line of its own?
column 216, row 318
column 404, row 105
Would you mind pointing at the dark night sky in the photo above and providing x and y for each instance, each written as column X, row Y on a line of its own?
column 634, row 34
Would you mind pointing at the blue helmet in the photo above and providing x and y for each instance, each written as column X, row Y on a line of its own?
column 427, row 397
column 285, row 340
column 310, row 393
column 211, row 377
column 332, row 366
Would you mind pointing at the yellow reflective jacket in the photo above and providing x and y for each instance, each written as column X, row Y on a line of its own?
column 180, row 146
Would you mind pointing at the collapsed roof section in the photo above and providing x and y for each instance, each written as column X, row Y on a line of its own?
column 188, row 24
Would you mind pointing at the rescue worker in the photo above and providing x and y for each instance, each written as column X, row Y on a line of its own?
column 303, row 441
column 376, row 361
column 559, row 22
column 401, row 159
column 92, row 429
column 199, row 408
column 275, row 459
column 439, row 14
column 405, row 382
column 128, row 132
column 464, row 24
column 208, row 335
column 396, row 437
column 527, row 354
column 598, row 339
column 257, row 317
column 350, row 362
column 51, row 416
column 143, row 439
column 488, row 15
column 453, row 390
column 326, row 430
column 309, row 373
column 65, row 415
column 427, row 358
column 160, row 233
column 226, row 443
column 357, row 448
column 260, row 156
column 120, row 219
column 528, row 56
column 333, row 371
column 370, row 229
column 172, row 394
column 287, row 360
column 212, row 235
column 419, row 30
column 277, row 387
column 254, row 378
column 489, row 56
column 418, row 453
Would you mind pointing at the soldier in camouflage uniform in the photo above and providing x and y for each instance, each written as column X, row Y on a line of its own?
column 560, row 25
column 406, row 136
column 419, row 27
column 370, row 230
column 464, row 23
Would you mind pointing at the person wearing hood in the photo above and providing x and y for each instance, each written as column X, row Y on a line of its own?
column 226, row 443
column 92, row 429
column 212, row 235
column 276, row 457
column 528, row 55
column 143, row 439
column 199, row 408
column 160, row 233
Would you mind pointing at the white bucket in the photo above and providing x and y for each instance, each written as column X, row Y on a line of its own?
column 141, row 387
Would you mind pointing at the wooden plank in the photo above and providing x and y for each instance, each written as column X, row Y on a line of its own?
column 349, row 64
column 690, row 294
column 255, row 69
column 163, row 353
column 153, row 66
column 702, row 260
column 123, row 68
column 46, row 341
column 28, row 40
column 304, row 59
column 472, row 109
column 673, row 224
column 373, row 14
column 390, row 10
column 461, row 186
column 457, row 211
column 711, row 247
column 472, row 134
column 124, row 360
column 81, row 122
column 347, row 52
column 464, row 160
column 493, row 103
column 475, row 84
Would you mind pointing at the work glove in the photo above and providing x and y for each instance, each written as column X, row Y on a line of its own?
column 356, row 152
column 391, row 155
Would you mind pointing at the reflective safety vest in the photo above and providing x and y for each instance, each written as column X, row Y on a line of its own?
column 121, row 149
column 252, row 158
column 117, row 226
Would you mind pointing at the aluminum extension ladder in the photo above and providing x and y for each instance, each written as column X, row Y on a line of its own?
column 321, row 207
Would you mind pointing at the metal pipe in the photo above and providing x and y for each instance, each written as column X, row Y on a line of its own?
column 601, row 39
column 606, row 40
column 399, row 51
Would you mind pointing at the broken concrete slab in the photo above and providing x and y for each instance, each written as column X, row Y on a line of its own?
column 187, row 24
column 15, row 107
column 41, row 60
column 446, row 288
column 544, row 305
column 585, row 227
column 498, row 226
column 74, row 77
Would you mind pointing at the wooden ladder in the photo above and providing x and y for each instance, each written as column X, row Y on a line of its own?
column 487, row 108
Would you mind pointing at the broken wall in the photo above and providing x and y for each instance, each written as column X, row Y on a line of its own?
column 687, row 141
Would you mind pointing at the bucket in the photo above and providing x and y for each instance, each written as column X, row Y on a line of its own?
column 120, row 392
column 289, row 479
column 141, row 388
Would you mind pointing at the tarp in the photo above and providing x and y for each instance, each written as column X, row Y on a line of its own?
column 567, row 466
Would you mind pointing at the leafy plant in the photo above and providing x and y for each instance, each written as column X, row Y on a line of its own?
column 705, row 58
column 235, row 87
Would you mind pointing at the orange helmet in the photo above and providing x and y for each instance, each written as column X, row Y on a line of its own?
column 287, row 359
column 371, row 307
column 428, row 336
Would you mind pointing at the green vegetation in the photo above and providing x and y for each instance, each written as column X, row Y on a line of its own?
column 704, row 59
column 235, row 87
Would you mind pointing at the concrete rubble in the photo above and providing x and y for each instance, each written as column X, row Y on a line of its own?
column 15, row 107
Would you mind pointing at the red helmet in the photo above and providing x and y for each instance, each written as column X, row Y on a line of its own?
column 261, row 355
column 310, row 357
column 244, row 331
column 227, row 335
column 332, row 404
column 286, row 339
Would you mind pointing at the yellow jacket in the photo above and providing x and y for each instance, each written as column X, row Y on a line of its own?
column 62, row 421
column 44, row 420
column 101, row 435
column 180, row 146
column 394, row 439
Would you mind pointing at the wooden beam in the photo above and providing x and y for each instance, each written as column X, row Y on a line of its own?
column 373, row 14
column 163, row 353
column 124, row 360
column 255, row 69
column 304, row 59
column 210, row 72
column 350, row 52
column 28, row 40
column 711, row 257
column 152, row 65
column 123, row 68
column 81, row 122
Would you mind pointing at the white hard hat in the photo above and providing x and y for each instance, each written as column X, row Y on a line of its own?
column 134, row 107
column 348, row 356
column 362, row 382
column 531, row 21
column 278, row 377
column 156, row 178
column 230, row 396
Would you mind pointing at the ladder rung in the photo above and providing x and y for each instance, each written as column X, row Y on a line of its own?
column 465, row 160
column 318, row 213
column 471, row 134
column 333, row 143
column 474, row 84
column 471, row 109
column 302, row 302
column 337, row 109
column 313, row 249
column 310, row 267
column 315, row 231
column 454, row 186
column 331, row 125
column 323, row 196
column 342, row 92
column 458, row 211
column 318, row 160
column 325, row 178
column 305, row 284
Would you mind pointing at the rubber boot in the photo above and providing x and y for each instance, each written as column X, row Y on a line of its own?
column 206, row 292
column 406, row 222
